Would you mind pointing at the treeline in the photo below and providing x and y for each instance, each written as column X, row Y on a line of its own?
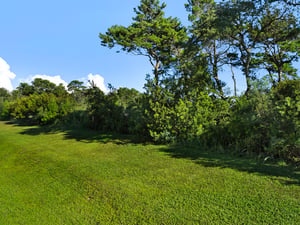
column 44, row 103
column 185, row 100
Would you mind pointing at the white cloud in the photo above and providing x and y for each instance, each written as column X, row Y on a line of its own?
column 54, row 79
column 99, row 81
column 6, row 76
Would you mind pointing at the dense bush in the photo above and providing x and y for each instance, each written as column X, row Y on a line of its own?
column 264, row 123
column 4, row 110
column 5, row 99
column 180, row 114
column 41, row 108
column 180, row 119
column 119, row 111
column 286, row 103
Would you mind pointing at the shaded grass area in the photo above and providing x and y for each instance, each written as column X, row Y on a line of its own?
column 280, row 171
column 194, row 153
column 83, row 134
column 50, row 176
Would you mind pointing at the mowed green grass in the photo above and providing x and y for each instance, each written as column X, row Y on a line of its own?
column 81, row 177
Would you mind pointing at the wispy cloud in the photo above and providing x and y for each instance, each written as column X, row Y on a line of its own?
column 6, row 76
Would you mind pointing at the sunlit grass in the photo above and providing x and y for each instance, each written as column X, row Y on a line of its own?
column 81, row 177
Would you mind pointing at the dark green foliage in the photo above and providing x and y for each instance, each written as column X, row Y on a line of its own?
column 119, row 111
column 4, row 93
column 177, row 114
column 76, row 88
column 184, row 101
column 76, row 85
column 132, row 104
column 265, row 123
column 151, row 34
column 280, row 42
column 249, row 122
column 5, row 97
column 185, row 104
column 5, row 110
column 286, row 100
column 207, row 38
column 40, row 86
column 42, row 103
column 40, row 108
column 253, row 34
column 25, row 89
column 96, row 105
column 288, row 88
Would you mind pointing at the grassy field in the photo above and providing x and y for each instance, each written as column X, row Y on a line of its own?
column 81, row 177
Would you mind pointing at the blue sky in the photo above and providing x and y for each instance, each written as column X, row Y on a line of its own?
column 58, row 39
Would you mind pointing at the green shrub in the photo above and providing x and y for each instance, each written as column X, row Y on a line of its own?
column 265, row 123
column 5, row 110
column 286, row 132
column 45, row 108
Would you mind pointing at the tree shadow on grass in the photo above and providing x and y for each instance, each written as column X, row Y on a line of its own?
column 283, row 173
column 84, row 135
column 286, row 174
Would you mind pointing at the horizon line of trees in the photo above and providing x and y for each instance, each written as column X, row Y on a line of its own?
column 184, row 100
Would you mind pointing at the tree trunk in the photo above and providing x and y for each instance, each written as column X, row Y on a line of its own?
column 156, row 73
column 234, row 80
column 247, row 73
column 215, row 70
column 279, row 71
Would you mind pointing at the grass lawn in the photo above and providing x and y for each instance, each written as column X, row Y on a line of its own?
column 82, row 177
